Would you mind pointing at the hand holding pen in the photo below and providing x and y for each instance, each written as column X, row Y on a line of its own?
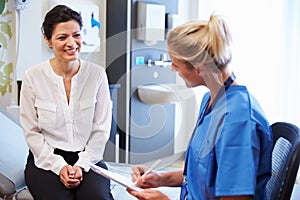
column 140, row 172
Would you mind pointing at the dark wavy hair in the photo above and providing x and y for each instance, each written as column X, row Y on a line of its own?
column 56, row 15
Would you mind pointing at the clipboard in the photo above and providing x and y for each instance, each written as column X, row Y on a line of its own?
column 126, row 182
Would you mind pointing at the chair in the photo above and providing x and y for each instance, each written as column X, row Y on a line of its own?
column 285, row 161
column 13, row 157
column 8, row 190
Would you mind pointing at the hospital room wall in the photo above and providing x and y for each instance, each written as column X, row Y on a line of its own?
column 253, row 37
column 33, row 49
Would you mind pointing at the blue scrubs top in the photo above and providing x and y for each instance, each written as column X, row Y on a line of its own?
column 230, row 151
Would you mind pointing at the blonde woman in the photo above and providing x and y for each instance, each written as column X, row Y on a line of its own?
column 229, row 154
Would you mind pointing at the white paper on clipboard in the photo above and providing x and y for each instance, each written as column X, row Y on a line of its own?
column 115, row 177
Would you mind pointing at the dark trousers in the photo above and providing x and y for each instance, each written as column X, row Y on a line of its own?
column 46, row 185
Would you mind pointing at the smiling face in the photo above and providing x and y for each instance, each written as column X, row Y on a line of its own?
column 190, row 74
column 66, row 41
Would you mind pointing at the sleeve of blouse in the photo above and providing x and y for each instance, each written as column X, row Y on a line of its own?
column 43, row 152
column 101, row 127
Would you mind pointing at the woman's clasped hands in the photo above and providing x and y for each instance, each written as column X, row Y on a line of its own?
column 71, row 176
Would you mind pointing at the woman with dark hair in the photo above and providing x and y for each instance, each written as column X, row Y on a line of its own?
column 65, row 112
column 229, row 154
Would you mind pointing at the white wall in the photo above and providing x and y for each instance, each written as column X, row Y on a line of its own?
column 30, row 47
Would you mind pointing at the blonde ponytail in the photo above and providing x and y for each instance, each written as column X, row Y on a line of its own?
column 220, row 40
column 201, row 42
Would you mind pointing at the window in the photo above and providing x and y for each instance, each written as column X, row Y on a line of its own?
column 265, row 51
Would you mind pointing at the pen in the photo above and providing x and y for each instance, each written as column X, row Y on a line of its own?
column 153, row 166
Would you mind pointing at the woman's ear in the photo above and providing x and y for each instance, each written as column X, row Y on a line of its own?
column 201, row 69
column 48, row 41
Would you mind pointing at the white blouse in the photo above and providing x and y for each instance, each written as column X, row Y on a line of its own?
column 49, row 122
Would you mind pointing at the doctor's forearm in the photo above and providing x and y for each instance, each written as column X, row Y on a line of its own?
column 172, row 179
